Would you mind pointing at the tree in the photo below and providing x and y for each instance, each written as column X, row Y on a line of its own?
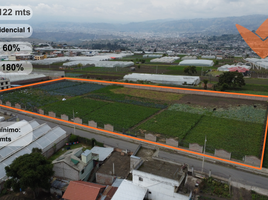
column 29, row 170
column 190, row 70
column 231, row 79
column 205, row 83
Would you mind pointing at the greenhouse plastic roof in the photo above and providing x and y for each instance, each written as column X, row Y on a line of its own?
column 225, row 68
column 44, row 137
column 205, row 63
column 263, row 63
column 165, row 59
column 99, row 57
column 164, row 79
column 100, row 63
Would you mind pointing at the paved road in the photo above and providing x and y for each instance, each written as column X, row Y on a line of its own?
column 218, row 170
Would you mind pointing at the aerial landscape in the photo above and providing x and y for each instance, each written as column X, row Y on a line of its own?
column 141, row 100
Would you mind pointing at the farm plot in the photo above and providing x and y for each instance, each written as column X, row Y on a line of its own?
column 238, row 130
column 81, row 107
column 29, row 98
column 70, row 88
column 109, row 93
column 120, row 115
column 234, row 136
column 171, row 123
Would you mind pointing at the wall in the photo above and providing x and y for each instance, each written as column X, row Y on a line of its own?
column 63, row 170
column 59, row 145
column 104, row 179
column 87, row 171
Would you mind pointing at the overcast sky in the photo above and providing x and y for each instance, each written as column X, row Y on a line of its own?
column 137, row 10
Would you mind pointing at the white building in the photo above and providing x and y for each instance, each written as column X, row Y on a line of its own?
column 158, row 188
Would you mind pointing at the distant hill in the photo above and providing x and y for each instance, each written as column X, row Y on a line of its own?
column 208, row 26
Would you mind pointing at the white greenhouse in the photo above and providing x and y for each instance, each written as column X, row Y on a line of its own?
column 164, row 79
column 202, row 63
column 189, row 58
column 209, row 57
column 151, row 56
column 43, row 137
column 258, row 63
column 225, row 68
column 165, row 59
column 100, row 63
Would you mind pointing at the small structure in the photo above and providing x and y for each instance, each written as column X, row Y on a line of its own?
column 74, row 164
column 80, row 190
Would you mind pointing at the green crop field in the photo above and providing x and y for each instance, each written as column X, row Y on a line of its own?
column 231, row 135
column 237, row 130
column 170, row 123
column 120, row 115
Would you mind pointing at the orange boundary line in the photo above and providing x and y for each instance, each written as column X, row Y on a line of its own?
column 139, row 139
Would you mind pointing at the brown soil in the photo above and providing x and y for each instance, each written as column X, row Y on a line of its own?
column 218, row 102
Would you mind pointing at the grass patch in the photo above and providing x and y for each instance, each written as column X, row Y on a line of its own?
column 170, row 123
column 231, row 135
column 252, row 89
column 120, row 115
column 108, row 93
column 163, row 96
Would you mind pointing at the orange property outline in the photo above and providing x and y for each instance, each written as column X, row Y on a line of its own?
column 139, row 139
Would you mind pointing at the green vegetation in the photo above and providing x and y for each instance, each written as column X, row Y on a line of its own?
column 233, row 136
column 120, row 115
column 29, row 98
column 215, row 187
column 231, row 80
column 190, row 70
column 170, row 123
column 29, row 170
column 255, row 196
column 223, row 128
column 110, row 93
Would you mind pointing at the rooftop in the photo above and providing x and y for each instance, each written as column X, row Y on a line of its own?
column 160, row 168
column 102, row 152
column 80, row 190
column 73, row 158
column 121, row 165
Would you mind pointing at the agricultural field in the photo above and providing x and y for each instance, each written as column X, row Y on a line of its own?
column 235, row 125
column 120, row 115
column 235, row 129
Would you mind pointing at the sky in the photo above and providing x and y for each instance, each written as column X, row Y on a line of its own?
column 125, row 11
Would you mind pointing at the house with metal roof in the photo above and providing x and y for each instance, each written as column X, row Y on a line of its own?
column 74, row 164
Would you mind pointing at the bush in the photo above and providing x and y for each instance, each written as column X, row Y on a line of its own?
column 73, row 138
column 224, row 87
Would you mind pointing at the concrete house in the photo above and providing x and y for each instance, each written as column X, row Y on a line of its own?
column 74, row 164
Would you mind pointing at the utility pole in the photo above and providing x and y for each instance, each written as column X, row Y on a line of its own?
column 73, row 119
column 204, row 153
